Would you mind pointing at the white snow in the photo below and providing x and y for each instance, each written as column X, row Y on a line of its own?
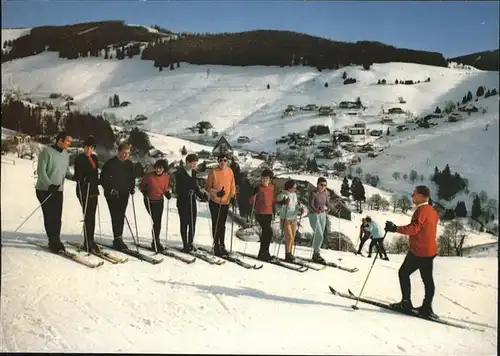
column 51, row 304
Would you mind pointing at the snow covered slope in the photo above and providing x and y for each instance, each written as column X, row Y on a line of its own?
column 52, row 304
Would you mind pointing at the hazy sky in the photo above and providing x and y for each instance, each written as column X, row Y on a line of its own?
column 452, row 28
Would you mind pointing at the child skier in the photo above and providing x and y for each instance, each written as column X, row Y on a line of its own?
column 154, row 186
column 377, row 240
column 290, row 209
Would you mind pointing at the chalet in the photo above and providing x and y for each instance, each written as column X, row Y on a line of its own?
column 360, row 125
column 386, row 120
column 243, row 139
column 350, row 105
column 356, row 130
column 468, row 108
column 395, row 111
column 309, row 107
column 325, row 111
column 222, row 146
column 454, row 117
column 376, row 133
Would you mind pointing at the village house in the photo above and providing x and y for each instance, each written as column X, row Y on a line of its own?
column 222, row 146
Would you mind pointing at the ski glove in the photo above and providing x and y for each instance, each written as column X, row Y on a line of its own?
column 168, row 195
column 145, row 189
column 221, row 193
column 301, row 210
column 255, row 190
column 53, row 188
column 131, row 191
column 190, row 193
column 390, row 226
column 205, row 197
column 284, row 201
column 114, row 193
column 233, row 201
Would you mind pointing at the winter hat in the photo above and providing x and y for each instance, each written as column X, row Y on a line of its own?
column 90, row 141
column 161, row 163
column 321, row 180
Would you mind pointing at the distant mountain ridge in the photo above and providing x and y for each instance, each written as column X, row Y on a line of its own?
column 486, row 60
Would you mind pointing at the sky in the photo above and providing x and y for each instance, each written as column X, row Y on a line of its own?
column 451, row 28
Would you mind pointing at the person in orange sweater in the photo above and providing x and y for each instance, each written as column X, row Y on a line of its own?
column 222, row 189
column 423, row 249
column 263, row 199
column 154, row 186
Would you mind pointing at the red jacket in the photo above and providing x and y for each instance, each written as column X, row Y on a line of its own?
column 422, row 231
column 264, row 200
column 157, row 185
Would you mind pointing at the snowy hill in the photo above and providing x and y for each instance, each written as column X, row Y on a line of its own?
column 52, row 304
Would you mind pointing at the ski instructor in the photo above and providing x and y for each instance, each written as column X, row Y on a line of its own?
column 423, row 248
column 53, row 163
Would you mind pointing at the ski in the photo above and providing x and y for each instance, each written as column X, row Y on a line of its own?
column 70, row 255
column 237, row 261
column 102, row 254
column 330, row 264
column 387, row 306
column 133, row 253
column 278, row 262
column 168, row 253
column 302, row 262
column 202, row 256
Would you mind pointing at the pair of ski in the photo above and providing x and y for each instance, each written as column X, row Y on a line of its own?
column 70, row 255
column 329, row 264
column 234, row 259
column 413, row 312
column 280, row 262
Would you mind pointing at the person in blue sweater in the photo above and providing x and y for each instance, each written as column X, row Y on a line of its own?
column 377, row 240
column 53, row 164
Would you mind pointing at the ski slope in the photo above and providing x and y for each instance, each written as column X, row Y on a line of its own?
column 51, row 304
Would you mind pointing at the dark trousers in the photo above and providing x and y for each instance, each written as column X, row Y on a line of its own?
column 218, row 212
column 89, row 218
column 410, row 265
column 156, row 213
column 379, row 247
column 117, row 208
column 187, row 214
column 52, row 212
column 264, row 221
column 364, row 238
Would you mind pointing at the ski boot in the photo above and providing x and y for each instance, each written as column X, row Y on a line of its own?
column 56, row 246
column 426, row 311
column 191, row 247
column 317, row 258
column 264, row 256
column 223, row 251
column 119, row 244
column 289, row 257
column 359, row 253
column 158, row 245
column 404, row 306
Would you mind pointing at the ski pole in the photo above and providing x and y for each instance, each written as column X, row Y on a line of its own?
column 34, row 211
column 135, row 219
column 99, row 217
column 215, row 235
column 282, row 233
column 166, row 225
column 85, row 237
column 295, row 242
column 152, row 224
column 131, row 233
column 355, row 306
column 191, row 231
column 232, row 229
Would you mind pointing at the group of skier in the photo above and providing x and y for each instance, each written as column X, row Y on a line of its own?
column 118, row 181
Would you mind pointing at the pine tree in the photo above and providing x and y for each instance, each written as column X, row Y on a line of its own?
column 480, row 91
column 184, row 150
column 476, row 207
column 469, row 96
column 461, row 210
column 344, row 189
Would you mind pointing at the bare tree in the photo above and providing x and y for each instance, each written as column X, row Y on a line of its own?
column 396, row 175
column 359, row 171
column 405, row 176
column 405, row 203
column 413, row 176
column 400, row 244
column 395, row 202
column 452, row 240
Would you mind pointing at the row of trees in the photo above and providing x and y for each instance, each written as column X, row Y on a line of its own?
column 412, row 177
column 356, row 190
column 29, row 119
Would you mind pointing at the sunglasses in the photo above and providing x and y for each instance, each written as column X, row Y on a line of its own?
column 223, row 160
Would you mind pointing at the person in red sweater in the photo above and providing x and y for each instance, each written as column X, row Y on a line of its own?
column 263, row 200
column 154, row 186
column 423, row 249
